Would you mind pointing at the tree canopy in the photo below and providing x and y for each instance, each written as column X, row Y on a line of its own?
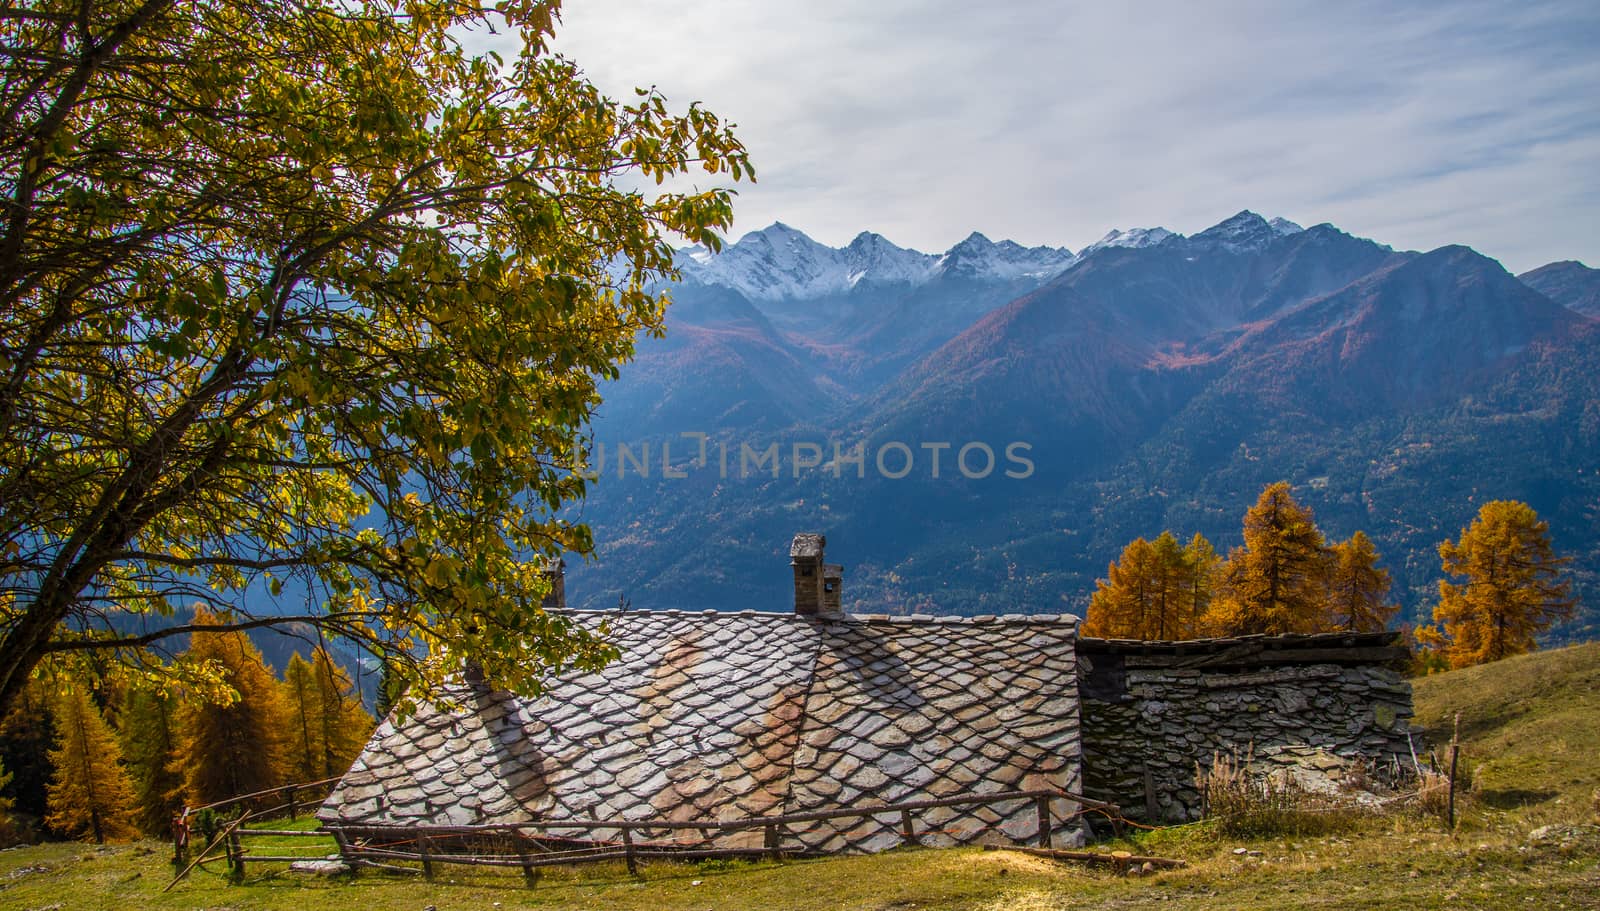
column 1511, row 586
column 305, row 301
column 1155, row 590
column 1277, row 582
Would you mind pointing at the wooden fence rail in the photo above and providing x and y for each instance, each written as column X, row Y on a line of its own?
column 531, row 842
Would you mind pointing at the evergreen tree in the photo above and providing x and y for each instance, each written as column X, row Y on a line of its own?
column 391, row 686
column 228, row 750
column 90, row 794
column 1357, row 588
column 149, row 743
column 1278, row 582
column 1513, row 585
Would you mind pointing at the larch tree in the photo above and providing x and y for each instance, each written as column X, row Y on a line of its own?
column 1511, row 585
column 1203, row 571
column 327, row 725
column 9, row 830
column 309, row 293
column 90, row 794
column 346, row 724
column 1357, row 588
column 1278, row 581
column 303, row 705
column 230, row 749
column 149, row 746
column 1149, row 592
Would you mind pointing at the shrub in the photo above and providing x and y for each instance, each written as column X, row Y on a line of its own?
column 1246, row 804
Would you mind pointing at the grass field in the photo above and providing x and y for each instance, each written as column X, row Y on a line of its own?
column 1530, row 727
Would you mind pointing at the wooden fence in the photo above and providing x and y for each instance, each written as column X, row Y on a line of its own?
column 532, row 845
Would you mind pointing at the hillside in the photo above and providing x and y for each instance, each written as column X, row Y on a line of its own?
column 1157, row 381
column 1528, row 729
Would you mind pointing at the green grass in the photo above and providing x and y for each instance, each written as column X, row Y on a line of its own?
column 1530, row 730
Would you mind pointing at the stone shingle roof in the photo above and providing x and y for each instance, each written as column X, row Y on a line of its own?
column 717, row 716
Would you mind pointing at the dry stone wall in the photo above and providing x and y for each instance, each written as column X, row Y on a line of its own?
column 1152, row 711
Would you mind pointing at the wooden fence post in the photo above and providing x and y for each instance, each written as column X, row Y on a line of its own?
column 288, row 794
column 772, row 841
column 1455, row 752
column 1041, row 806
column 627, row 851
column 422, row 852
column 347, row 852
column 907, row 830
column 530, row 873
column 235, row 854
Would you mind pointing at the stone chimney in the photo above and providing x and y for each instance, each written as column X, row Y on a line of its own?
column 816, row 584
column 557, row 599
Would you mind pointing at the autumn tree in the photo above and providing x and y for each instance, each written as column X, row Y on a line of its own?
column 10, row 832
column 90, row 794
column 1358, row 588
column 149, row 746
column 1511, row 585
column 229, row 749
column 1154, row 590
column 1278, row 581
column 327, row 725
column 307, row 292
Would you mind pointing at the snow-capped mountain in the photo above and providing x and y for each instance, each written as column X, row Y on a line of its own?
column 979, row 257
column 1135, row 237
column 1245, row 232
column 782, row 263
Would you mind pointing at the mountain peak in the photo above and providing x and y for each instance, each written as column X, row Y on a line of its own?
column 1245, row 232
column 1284, row 227
column 979, row 257
column 1133, row 237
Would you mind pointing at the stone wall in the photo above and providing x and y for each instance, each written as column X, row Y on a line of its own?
column 1151, row 711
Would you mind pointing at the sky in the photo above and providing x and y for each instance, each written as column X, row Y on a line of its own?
column 1416, row 124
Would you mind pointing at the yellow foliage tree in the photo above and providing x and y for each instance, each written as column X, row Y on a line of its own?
column 319, row 289
column 1357, row 588
column 149, row 743
column 230, row 749
column 327, row 724
column 1512, row 585
column 1154, row 590
column 1278, row 581
column 90, row 794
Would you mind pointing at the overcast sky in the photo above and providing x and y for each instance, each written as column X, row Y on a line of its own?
column 1416, row 124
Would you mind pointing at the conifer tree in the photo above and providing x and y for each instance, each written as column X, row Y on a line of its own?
column 9, row 831
column 228, row 750
column 1278, row 581
column 345, row 722
column 1513, row 586
column 26, row 734
column 149, row 743
column 327, row 725
column 1203, row 568
column 1357, row 588
column 305, row 728
column 1150, row 591
column 90, row 794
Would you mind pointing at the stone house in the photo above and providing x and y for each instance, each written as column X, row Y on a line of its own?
column 717, row 716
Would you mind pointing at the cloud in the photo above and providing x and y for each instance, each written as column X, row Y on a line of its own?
column 1417, row 124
